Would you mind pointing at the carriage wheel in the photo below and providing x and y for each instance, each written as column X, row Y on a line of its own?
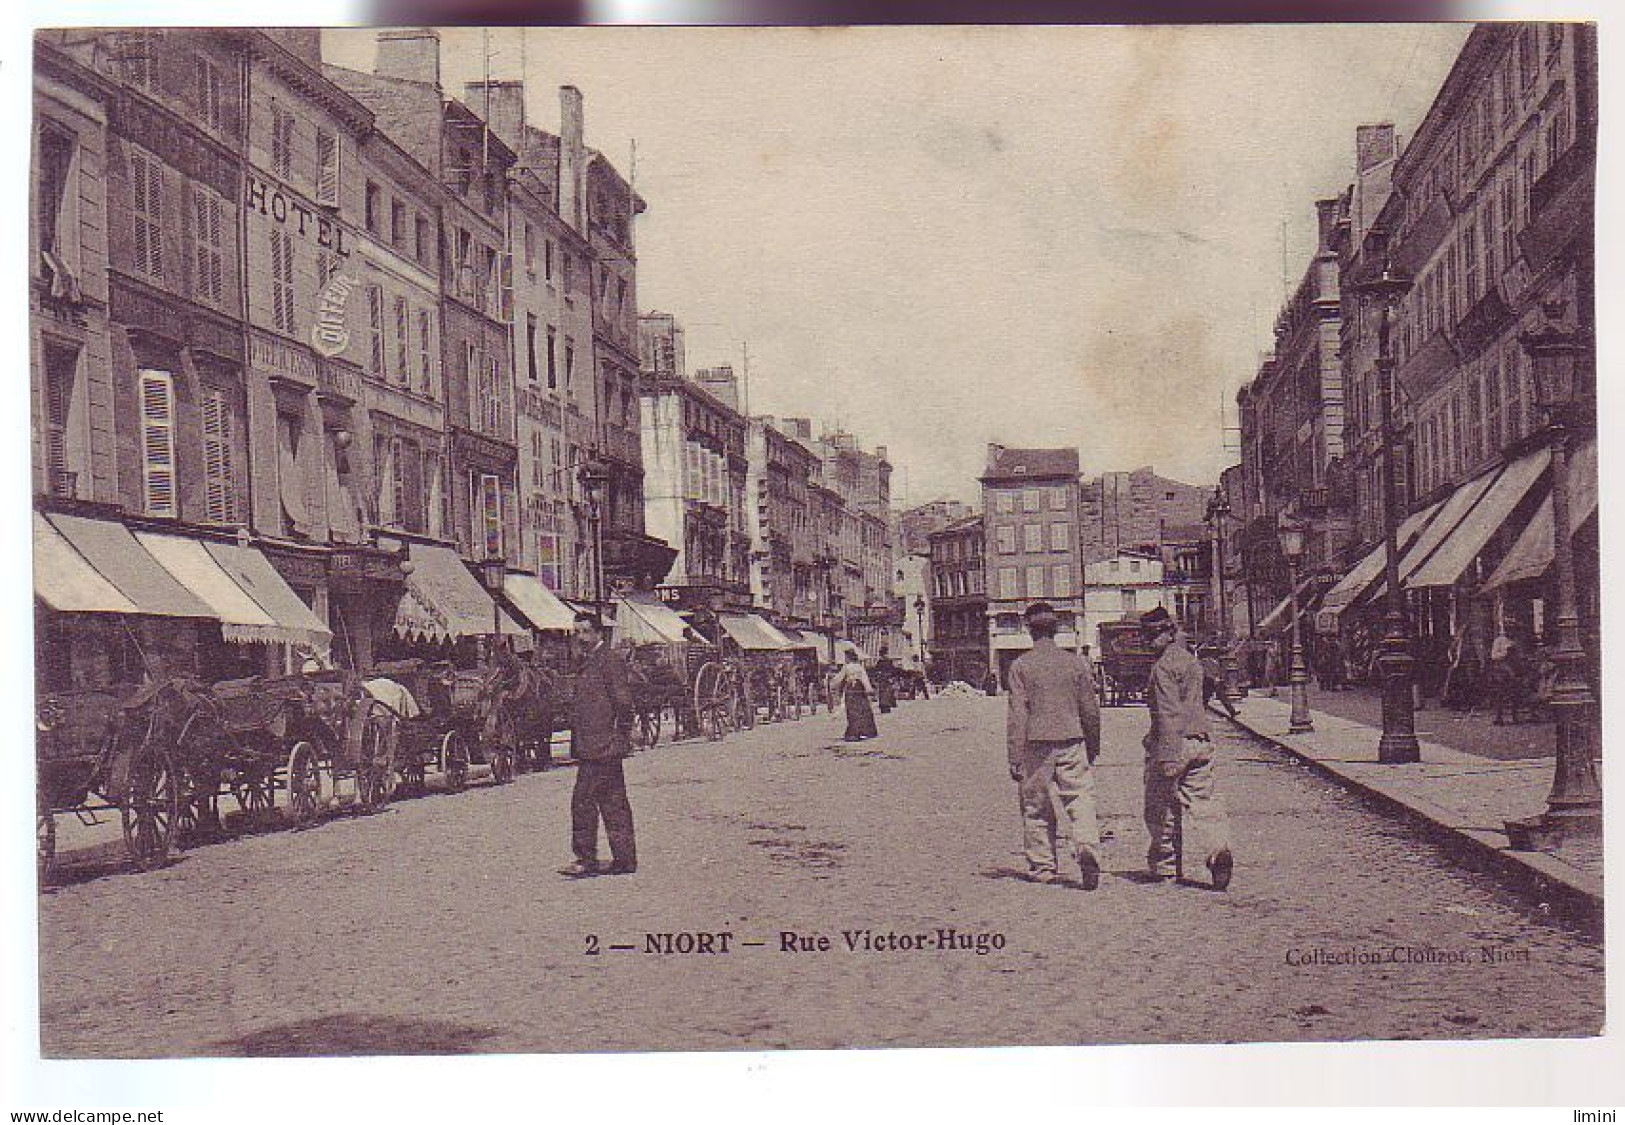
column 150, row 808
column 253, row 796
column 304, row 783
column 713, row 707
column 45, row 845
column 454, row 762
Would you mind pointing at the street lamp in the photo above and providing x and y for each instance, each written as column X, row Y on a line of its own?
column 593, row 477
column 494, row 576
column 1398, row 744
column 1575, row 803
column 1291, row 533
column 1218, row 510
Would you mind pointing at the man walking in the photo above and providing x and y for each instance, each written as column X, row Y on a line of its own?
column 1179, row 786
column 600, row 742
column 1053, row 736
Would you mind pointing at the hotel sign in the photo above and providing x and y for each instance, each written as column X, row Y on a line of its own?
column 290, row 210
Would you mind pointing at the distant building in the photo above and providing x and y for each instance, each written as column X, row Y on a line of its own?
column 1121, row 510
column 1121, row 588
column 957, row 595
column 1030, row 507
column 782, row 520
column 915, row 525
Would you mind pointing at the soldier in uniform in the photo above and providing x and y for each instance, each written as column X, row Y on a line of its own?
column 1181, row 800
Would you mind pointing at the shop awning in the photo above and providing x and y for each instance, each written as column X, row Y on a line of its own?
column 443, row 601
column 253, row 572
column 1532, row 554
column 241, row 618
column 113, row 552
column 1463, row 545
column 536, row 603
column 1452, row 512
column 800, row 640
column 646, row 621
column 63, row 579
column 822, row 643
column 750, row 632
column 1280, row 611
column 775, row 633
column 1370, row 568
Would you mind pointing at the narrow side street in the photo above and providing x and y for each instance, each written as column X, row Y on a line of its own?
column 441, row 925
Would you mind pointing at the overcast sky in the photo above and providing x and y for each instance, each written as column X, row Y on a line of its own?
column 947, row 236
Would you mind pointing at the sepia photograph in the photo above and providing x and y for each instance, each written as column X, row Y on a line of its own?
column 566, row 540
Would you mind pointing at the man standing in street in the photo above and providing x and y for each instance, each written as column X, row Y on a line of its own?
column 1181, row 800
column 600, row 742
column 1053, row 737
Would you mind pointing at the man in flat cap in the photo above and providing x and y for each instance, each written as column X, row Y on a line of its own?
column 1053, row 738
column 1181, row 799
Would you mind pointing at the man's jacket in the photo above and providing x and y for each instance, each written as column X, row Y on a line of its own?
column 1177, row 715
column 601, row 714
column 1052, row 699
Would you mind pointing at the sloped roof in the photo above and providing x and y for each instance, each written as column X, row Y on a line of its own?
column 1034, row 463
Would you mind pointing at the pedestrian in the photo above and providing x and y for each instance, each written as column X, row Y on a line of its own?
column 854, row 689
column 1053, row 739
column 1180, row 789
column 885, row 680
column 1272, row 667
column 990, row 682
column 1213, row 684
column 600, row 742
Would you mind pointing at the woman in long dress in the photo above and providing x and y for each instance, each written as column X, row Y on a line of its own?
column 853, row 687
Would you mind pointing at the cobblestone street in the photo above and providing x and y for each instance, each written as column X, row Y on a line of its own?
column 442, row 924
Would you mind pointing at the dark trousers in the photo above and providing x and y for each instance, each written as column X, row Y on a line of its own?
column 600, row 791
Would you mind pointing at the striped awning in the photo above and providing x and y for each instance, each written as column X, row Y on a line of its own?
column 65, row 581
column 640, row 619
column 752, row 633
column 1535, row 549
column 1453, row 556
column 536, row 603
column 253, row 572
column 129, row 568
column 444, row 602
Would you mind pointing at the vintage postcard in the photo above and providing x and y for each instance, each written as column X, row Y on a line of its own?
column 557, row 540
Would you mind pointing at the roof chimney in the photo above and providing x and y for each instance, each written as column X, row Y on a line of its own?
column 572, row 158
column 502, row 104
column 411, row 54
column 994, row 452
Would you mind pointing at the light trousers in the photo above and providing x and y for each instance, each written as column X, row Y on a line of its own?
column 1057, row 802
column 1184, row 815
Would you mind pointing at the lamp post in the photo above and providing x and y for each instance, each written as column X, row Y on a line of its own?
column 1575, row 803
column 1291, row 533
column 1218, row 510
column 494, row 576
column 593, row 477
column 1398, row 743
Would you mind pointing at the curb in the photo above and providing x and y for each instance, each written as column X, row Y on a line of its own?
column 1571, row 893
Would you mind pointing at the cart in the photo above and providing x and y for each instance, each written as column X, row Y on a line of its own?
column 104, row 751
column 463, row 718
column 658, row 691
column 1125, row 663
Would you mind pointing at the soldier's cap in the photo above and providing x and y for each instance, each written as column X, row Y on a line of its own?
column 1157, row 620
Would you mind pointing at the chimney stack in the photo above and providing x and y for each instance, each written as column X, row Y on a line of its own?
column 572, row 158
column 1326, row 218
column 411, row 54
column 994, row 452
column 505, row 113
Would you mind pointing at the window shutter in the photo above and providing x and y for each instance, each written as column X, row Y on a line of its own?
column 217, row 466
column 506, row 309
column 491, row 512
column 397, row 482
column 58, row 390
column 157, row 393
column 327, row 169
column 403, row 344
column 410, row 473
column 375, row 329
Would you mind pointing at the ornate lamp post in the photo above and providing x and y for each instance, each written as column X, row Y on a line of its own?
column 1291, row 533
column 593, row 477
column 1218, row 510
column 1398, row 744
column 1575, row 803
column 493, row 576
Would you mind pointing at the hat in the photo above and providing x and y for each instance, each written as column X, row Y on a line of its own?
column 1156, row 620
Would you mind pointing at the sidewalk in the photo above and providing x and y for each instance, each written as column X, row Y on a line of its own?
column 1472, row 732
column 1462, row 798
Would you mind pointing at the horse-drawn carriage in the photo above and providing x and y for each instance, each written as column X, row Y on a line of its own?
column 453, row 719
column 164, row 754
column 1124, row 667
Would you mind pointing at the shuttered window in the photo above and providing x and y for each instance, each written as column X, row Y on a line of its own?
column 327, row 169
column 281, row 141
column 61, row 367
column 426, row 351
column 403, row 343
column 156, row 390
column 282, row 299
column 209, row 91
column 220, row 494
column 397, row 482
column 375, row 330
column 496, row 414
column 488, row 513
column 208, row 237
column 146, row 198
column 1060, row 581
